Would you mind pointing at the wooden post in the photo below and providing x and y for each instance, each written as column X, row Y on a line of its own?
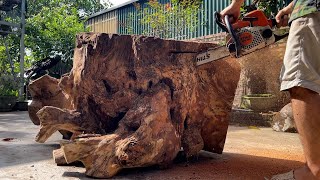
column 22, row 51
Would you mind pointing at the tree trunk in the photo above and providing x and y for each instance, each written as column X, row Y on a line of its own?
column 134, row 101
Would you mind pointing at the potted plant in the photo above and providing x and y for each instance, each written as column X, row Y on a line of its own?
column 8, row 92
column 259, row 102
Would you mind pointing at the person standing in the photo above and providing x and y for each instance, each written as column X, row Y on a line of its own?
column 300, row 75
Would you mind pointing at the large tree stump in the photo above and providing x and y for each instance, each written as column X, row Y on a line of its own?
column 134, row 101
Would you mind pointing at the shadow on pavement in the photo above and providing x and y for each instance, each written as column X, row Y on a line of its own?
column 17, row 154
column 233, row 164
column 210, row 166
column 22, row 148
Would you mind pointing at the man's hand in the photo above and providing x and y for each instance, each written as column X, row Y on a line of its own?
column 233, row 10
column 282, row 17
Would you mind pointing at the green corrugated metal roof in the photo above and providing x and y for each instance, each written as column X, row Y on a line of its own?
column 206, row 25
column 112, row 8
column 206, row 20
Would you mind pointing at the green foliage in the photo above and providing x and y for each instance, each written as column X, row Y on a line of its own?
column 13, row 50
column 269, row 7
column 3, row 58
column 188, row 3
column 84, row 7
column 8, row 86
column 165, row 20
column 51, row 28
column 52, row 31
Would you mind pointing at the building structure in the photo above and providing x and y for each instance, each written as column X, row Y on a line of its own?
column 114, row 19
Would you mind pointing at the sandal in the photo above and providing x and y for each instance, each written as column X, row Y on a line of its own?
column 285, row 176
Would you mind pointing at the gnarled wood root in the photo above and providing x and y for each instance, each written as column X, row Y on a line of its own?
column 145, row 136
column 134, row 101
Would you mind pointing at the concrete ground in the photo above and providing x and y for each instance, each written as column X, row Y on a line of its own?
column 250, row 153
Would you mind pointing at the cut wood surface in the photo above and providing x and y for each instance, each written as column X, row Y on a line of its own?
column 134, row 101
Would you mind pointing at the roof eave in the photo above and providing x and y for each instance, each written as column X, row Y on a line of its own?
column 111, row 9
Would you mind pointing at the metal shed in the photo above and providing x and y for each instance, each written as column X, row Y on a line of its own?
column 107, row 20
column 114, row 19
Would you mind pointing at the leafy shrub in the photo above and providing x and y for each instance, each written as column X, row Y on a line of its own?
column 8, row 86
column 169, row 20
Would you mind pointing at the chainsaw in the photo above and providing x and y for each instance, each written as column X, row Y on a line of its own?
column 252, row 32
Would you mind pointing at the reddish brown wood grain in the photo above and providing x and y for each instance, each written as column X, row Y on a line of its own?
column 134, row 101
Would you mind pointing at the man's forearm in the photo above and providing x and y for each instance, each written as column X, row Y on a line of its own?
column 290, row 6
column 288, row 9
column 238, row 2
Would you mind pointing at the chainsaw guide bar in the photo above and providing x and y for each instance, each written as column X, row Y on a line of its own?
column 253, row 32
column 212, row 55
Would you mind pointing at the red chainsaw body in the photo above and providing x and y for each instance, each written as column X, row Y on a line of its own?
column 261, row 20
column 253, row 31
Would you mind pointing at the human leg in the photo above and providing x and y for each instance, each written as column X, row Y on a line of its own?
column 306, row 112
column 301, row 76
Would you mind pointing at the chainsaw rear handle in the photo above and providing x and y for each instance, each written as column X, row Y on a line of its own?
column 218, row 20
column 234, row 47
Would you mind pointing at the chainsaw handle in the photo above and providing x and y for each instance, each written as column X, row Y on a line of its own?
column 227, row 27
column 273, row 23
column 218, row 19
column 236, row 41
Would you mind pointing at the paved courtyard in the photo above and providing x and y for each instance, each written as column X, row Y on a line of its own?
column 250, row 153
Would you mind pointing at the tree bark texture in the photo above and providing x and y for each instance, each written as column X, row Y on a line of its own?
column 134, row 101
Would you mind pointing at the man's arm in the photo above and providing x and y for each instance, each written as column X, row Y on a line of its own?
column 283, row 15
column 233, row 10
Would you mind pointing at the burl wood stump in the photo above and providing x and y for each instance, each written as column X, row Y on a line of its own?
column 133, row 101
